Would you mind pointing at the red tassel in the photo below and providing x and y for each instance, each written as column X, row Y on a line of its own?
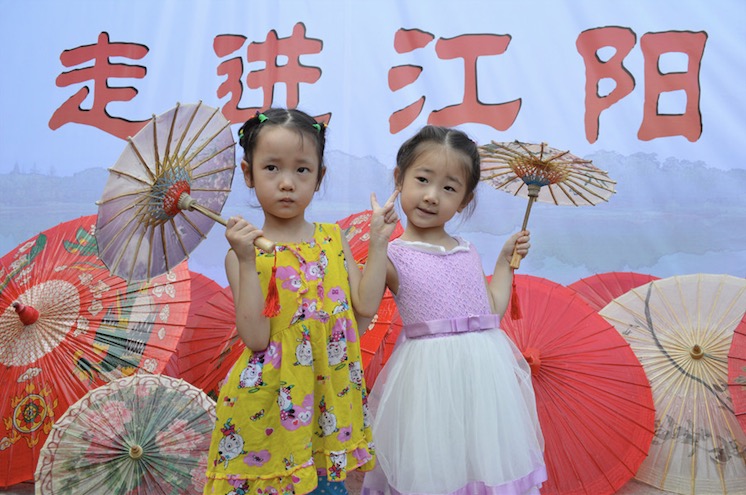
column 272, row 301
column 515, row 304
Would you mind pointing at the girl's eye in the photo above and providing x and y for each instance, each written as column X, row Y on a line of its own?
column 450, row 188
column 421, row 179
column 304, row 170
column 271, row 167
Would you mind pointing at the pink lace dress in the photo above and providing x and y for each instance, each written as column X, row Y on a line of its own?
column 454, row 409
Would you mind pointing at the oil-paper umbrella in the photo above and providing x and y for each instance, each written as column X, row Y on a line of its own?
column 193, row 344
column 356, row 229
column 681, row 329
column 600, row 289
column 544, row 174
column 138, row 435
column 737, row 372
column 593, row 399
column 67, row 326
column 377, row 343
column 166, row 191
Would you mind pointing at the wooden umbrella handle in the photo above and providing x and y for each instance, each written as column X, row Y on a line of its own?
column 186, row 202
column 533, row 193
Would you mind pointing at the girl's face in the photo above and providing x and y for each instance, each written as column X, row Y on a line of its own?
column 285, row 172
column 433, row 188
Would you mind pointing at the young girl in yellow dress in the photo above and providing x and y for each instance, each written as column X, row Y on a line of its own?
column 292, row 414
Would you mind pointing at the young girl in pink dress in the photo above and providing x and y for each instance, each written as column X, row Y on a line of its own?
column 454, row 409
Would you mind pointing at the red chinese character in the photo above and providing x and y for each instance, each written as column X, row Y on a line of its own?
column 103, row 94
column 588, row 44
column 291, row 73
column 469, row 47
column 688, row 124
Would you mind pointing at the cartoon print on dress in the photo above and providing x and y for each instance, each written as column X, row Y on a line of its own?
column 291, row 279
column 337, row 294
column 240, row 487
column 273, row 354
column 258, row 458
column 293, row 416
column 251, row 376
column 303, row 351
column 339, row 464
column 336, row 348
column 230, row 446
column 356, row 374
column 308, row 311
column 327, row 420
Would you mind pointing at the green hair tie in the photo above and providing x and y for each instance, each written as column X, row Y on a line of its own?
column 317, row 126
column 261, row 117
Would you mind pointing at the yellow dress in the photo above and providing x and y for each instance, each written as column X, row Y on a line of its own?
column 298, row 409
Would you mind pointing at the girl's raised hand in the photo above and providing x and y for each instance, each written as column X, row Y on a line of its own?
column 384, row 218
column 241, row 235
column 520, row 242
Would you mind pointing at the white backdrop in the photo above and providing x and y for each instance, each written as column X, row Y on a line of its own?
column 672, row 141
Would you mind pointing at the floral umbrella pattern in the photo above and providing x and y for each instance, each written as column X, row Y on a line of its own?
column 67, row 326
column 141, row 434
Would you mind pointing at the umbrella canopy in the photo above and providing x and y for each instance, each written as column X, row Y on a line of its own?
column 600, row 289
column 681, row 329
column 356, row 229
column 66, row 326
column 142, row 434
column 377, row 343
column 214, row 343
column 737, row 372
column 593, row 398
column 165, row 191
column 542, row 173
column 192, row 344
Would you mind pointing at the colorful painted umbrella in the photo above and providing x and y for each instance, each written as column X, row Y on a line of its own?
column 593, row 398
column 166, row 191
column 681, row 329
column 67, row 326
column 142, row 434
column 544, row 174
column 600, row 289
column 737, row 372
column 193, row 343
column 356, row 229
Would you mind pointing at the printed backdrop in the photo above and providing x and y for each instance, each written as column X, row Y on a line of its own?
column 651, row 92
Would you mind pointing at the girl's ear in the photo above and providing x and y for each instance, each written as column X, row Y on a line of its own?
column 321, row 177
column 397, row 176
column 466, row 201
column 246, row 173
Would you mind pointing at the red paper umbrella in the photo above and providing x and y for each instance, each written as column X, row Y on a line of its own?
column 593, row 398
column 377, row 344
column 215, row 323
column 737, row 372
column 68, row 326
column 189, row 359
column 600, row 289
column 356, row 229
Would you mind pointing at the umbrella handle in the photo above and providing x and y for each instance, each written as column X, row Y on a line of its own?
column 186, row 202
column 533, row 193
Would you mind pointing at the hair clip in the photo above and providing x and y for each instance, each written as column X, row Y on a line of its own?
column 318, row 126
column 261, row 117
column 240, row 133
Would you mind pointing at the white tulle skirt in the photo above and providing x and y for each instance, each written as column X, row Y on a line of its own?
column 456, row 414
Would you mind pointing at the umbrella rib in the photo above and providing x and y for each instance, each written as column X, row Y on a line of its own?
column 167, row 155
column 187, row 128
column 140, row 158
column 122, row 173
column 155, row 147
column 163, row 245
column 178, row 236
column 192, row 224
column 210, row 157
column 206, row 142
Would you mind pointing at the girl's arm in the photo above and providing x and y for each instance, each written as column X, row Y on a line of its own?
column 240, row 268
column 367, row 289
column 502, row 278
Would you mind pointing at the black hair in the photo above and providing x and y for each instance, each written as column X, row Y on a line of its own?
column 292, row 118
column 454, row 139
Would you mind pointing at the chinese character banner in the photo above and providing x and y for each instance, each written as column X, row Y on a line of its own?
column 651, row 93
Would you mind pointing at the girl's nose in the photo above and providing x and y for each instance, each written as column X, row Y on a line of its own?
column 431, row 197
column 286, row 183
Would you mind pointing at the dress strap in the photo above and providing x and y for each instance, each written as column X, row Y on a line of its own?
column 451, row 326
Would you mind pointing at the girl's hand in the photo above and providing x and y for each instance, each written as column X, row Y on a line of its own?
column 241, row 235
column 520, row 242
column 384, row 218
